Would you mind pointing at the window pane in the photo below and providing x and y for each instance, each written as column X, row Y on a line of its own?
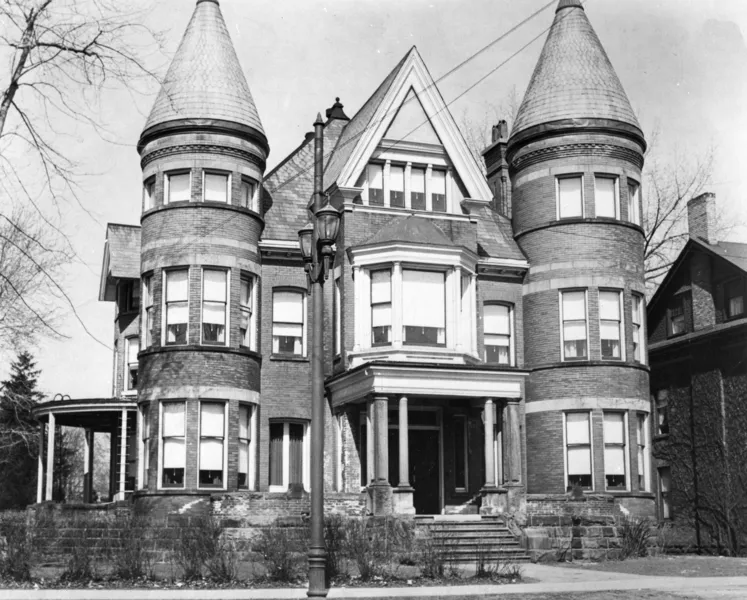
column 247, row 195
column 214, row 285
column 381, row 315
column 243, row 462
column 604, row 194
column 133, row 347
column 609, row 305
column 574, row 306
column 246, row 292
column 423, row 298
column 179, row 187
column 577, row 428
column 574, row 330
column 173, row 453
column 211, row 419
column 570, row 199
column 216, row 187
column 211, row 455
column 610, row 330
column 497, row 319
column 579, row 461
column 438, row 182
column 214, row 313
column 295, row 431
column 637, row 309
column 287, row 329
column 287, row 307
column 173, row 419
column 276, row 454
column 396, row 179
column 244, row 422
column 417, row 180
column 381, row 286
column 634, row 215
column 614, row 428
column 176, row 285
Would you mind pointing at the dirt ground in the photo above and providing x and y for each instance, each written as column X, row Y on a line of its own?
column 675, row 566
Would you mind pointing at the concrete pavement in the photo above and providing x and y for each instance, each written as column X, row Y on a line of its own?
column 548, row 579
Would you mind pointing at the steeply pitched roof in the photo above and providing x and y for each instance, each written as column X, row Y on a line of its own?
column 121, row 257
column 574, row 78
column 412, row 229
column 288, row 187
column 205, row 79
column 357, row 125
column 495, row 238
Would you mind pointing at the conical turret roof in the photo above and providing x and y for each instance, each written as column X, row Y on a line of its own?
column 205, row 79
column 574, row 79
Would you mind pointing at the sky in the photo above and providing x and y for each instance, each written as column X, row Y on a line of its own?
column 681, row 62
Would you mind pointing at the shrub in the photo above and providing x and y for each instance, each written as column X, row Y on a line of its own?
column 433, row 555
column 221, row 554
column 81, row 547
column 282, row 551
column 334, row 541
column 373, row 544
column 634, row 537
column 495, row 567
column 16, row 551
column 133, row 558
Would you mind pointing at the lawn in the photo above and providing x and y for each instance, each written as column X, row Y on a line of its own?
column 616, row 595
column 675, row 566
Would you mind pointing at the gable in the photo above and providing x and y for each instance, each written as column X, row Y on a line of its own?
column 411, row 124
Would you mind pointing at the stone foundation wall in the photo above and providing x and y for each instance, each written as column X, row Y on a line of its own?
column 561, row 544
column 563, row 510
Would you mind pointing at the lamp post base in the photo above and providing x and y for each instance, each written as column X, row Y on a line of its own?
column 317, row 573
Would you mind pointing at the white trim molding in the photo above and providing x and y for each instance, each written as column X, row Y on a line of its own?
column 588, row 403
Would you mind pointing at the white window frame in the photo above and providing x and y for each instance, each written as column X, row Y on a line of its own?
column 625, row 449
column 580, row 176
column 253, row 201
column 639, row 327
column 589, row 414
column 616, row 181
column 390, row 270
column 511, row 344
column 128, row 365
column 306, row 479
column 448, row 335
column 586, row 322
column 224, row 444
column 251, row 332
column 167, row 186
column 303, row 323
column 160, row 484
column 621, row 325
column 164, row 306
column 143, row 438
column 227, row 322
column 643, row 439
column 148, row 311
column 634, row 202
column 225, row 174
column 251, row 444
column 661, row 493
column 149, row 193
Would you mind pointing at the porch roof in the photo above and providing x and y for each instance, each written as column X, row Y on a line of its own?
column 425, row 379
column 99, row 414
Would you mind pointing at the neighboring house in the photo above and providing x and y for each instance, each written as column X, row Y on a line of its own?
column 484, row 336
column 698, row 353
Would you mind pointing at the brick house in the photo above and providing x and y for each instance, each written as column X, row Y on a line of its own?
column 698, row 354
column 484, row 336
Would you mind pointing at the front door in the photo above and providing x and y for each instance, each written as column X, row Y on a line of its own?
column 425, row 476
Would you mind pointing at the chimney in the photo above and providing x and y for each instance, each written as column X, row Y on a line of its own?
column 701, row 217
column 497, row 169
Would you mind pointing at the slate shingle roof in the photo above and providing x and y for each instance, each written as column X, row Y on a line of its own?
column 288, row 187
column 411, row 229
column 733, row 252
column 495, row 237
column 574, row 78
column 205, row 79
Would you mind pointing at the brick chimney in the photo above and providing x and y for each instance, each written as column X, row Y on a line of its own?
column 497, row 169
column 701, row 217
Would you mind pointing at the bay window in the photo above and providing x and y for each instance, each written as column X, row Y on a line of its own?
column 438, row 191
column 614, row 450
column 245, row 438
column 578, row 449
column 570, row 196
column 132, row 347
column 497, row 326
column 381, row 307
column 212, row 444
column 246, row 301
column 287, row 455
column 173, row 449
column 573, row 318
column 177, row 187
column 148, row 311
column 214, row 306
column 376, row 185
column 605, row 196
column 610, row 324
column 423, row 307
column 396, row 186
column 634, row 202
column 417, row 188
column 288, row 311
column 216, row 187
column 639, row 341
column 177, row 306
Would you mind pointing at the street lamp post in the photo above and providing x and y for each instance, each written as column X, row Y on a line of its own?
column 315, row 241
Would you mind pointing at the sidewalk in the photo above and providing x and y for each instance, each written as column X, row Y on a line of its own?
column 550, row 580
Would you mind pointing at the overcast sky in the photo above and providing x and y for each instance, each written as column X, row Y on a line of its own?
column 682, row 63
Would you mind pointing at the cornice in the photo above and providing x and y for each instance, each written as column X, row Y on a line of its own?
column 197, row 148
column 573, row 150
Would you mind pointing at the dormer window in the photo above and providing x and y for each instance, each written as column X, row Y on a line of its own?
column 423, row 307
column 734, row 298
column 376, row 185
column 417, row 189
column 438, row 190
column 409, row 186
column 397, row 186
column 676, row 315
column 129, row 296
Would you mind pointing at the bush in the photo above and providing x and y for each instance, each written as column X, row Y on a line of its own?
column 133, row 558
column 201, row 547
column 495, row 568
column 634, row 537
column 373, row 544
column 221, row 554
column 15, row 549
column 80, row 565
column 334, row 541
column 282, row 550
column 433, row 555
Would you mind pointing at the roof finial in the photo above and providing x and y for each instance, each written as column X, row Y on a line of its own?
column 336, row 111
column 569, row 4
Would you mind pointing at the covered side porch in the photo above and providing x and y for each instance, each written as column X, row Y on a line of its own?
column 434, row 439
column 114, row 416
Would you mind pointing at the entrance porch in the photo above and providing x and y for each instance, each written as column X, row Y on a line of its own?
column 429, row 438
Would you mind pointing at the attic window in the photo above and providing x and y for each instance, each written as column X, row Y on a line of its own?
column 734, row 298
column 376, row 185
column 677, row 324
column 417, row 189
column 438, row 191
column 408, row 186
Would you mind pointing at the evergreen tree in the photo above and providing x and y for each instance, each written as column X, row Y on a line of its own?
column 19, row 433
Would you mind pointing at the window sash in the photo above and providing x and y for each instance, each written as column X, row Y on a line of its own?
column 497, row 319
column 605, row 196
column 634, row 213
column 573, row 305
column 424, row 299
column 376, row 176
column 216, row 187
column 577, row 428
column 287, row 307
column 570, row 196
column 178, row 185
column 246, row 194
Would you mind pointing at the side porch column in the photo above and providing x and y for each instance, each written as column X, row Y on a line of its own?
column 489, row 426
column 122, row 455
column 40, row 466
column 50, row 455
column 381, row 489
column 403, row 495
column 512, row 428
column 88, row 465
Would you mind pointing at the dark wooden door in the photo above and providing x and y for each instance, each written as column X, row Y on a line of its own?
column 425, row 476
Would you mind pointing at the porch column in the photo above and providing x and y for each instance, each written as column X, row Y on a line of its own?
column 404, row 449
column 88, row 466
column 488, row 422
column 50, row 455
column 40, row 466
column 122, row 455
column 370, row 438
column 381, row 490
column 512, row 428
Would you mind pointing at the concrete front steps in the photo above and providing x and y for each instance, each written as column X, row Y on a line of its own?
column 467, row 539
